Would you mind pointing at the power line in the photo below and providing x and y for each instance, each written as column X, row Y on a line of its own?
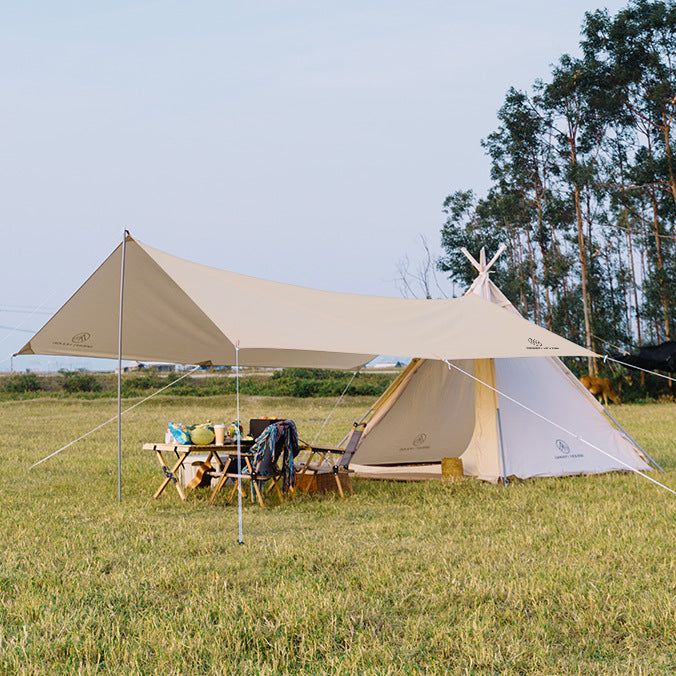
column 14, row 328
column 24, row 310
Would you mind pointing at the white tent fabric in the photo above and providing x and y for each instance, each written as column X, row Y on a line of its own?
column 183, row 312
column 437, row 412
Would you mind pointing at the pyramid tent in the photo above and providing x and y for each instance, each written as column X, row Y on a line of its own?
column 434, row 411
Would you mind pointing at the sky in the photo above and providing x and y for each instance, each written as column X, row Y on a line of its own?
column 305, row 142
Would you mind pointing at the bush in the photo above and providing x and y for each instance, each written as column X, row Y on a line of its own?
column 74, row 381
column 325, row 383
column 25, row 382
column 141, row 384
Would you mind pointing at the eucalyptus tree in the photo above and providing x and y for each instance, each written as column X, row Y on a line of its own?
column 584, row 186
column 576, row 113
column 462, row 228
column 522, row 165
column 625, row 214
column 637, row 51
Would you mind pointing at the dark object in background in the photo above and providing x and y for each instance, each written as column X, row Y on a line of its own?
column 257, row 425
column 660, row 357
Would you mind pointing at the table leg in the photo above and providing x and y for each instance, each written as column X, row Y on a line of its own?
column 170, row 474
column 223, row 478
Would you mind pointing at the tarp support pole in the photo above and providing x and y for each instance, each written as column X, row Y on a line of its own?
column 240, row 538
column 119, row 371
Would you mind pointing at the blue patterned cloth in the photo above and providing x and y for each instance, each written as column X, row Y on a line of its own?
column 278, row 439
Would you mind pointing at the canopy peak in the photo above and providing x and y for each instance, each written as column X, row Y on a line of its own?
column 481, row 266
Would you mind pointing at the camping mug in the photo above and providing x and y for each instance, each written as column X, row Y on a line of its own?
column 219, row 431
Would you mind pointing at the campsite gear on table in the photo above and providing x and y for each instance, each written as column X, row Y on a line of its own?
column 202, row 435
column 180, row 433
column 221, row 461
column 235, row 430
column 219, row 434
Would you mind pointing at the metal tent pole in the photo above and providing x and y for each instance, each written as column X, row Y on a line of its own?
column 119, row 371
column 647, row 455
column 502, row 448
column 240, row 538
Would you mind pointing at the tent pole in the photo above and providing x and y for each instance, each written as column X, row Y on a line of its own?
column 240, row 539
column 502, row 448
column 119, row 371
column 647, row 455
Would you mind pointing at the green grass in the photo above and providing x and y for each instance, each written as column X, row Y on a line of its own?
column 550, row 576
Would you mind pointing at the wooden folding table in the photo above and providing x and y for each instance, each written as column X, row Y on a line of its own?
column 224, row 455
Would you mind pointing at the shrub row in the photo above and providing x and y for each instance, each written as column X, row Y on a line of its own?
column 284, row 383
column 301, row 383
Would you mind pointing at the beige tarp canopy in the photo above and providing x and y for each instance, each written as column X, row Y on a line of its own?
column 181, row 312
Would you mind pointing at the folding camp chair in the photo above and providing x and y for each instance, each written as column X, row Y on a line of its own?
column 271, row 462
column 326, row 465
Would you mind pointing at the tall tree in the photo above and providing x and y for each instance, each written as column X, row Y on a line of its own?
column 522, row 163
column 584, row 187
column 577, row 116
column 637, row 51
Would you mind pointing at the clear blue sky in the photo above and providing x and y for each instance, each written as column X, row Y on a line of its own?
column 306, row 142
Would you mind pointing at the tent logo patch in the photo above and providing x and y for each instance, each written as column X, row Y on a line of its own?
column 563, row 448
column 417, row 444
column 81, row 337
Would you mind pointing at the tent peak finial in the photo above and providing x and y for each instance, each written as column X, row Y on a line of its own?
column 481, row 266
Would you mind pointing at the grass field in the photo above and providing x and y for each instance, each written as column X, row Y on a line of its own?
column 551, row 576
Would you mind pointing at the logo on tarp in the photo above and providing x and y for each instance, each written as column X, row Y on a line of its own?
column 420, row 440
column 81, row 337
column 79, row 341
column 562, row 446
column 536, row 344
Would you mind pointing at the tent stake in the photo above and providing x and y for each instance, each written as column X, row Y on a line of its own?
column 119, row 371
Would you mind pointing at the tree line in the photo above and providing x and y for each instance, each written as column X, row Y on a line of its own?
column 583, row 188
